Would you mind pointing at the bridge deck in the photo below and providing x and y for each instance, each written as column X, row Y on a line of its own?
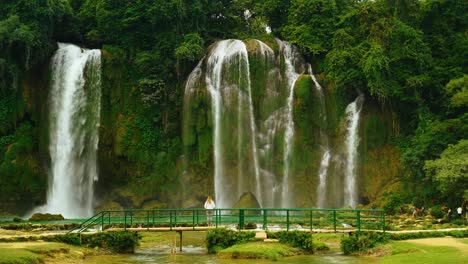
column 206, row 228
column 164, row 229
column 272, row 219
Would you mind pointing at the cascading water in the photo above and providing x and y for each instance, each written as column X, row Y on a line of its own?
column 227, row 54
column 249, row 136
column 325, row 162
column 74, row 122
column 353, row 111
column 292, row 76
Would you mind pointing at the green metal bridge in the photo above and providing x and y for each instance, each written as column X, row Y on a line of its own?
column 272, row 219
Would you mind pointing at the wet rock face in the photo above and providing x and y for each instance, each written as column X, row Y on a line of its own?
column 256, row 120
column 247, row 200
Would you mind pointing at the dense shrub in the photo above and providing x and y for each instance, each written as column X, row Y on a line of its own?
column 220, row 238
column 358, row 242
column 118, row 242
column 73, row 239
column 298, row 239
column 18, row 219
column 17, row 226
column 459, row 222
column 436, row 211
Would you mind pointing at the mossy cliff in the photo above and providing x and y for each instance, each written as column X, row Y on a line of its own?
column 140, row 143
column 24, row 143
column 147, row 159
column 379, row 163
column 378, row 160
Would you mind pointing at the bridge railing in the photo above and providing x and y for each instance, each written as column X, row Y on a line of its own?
column 310, row 219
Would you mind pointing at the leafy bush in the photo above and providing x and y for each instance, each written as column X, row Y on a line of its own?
column 362, row 241
column 118, row 242
column 18, row 226
column 220, row 238
column 393, row 203
column 17, row 219
column 459, row 222
column 436, row 211
column 458, row 233
column 72, row 239
column 298, row 239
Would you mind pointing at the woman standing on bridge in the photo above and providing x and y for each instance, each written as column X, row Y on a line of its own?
column 209, row 205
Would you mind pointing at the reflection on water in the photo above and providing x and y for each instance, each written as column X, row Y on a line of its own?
column 198, row 255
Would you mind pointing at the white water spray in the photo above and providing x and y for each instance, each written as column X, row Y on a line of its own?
column 74, row 123
column 292, row 76
column 353, row 111
column 325, row 162
column 224, row 54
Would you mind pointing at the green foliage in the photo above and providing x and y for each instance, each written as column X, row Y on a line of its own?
column 26, row 35
column 394, row 201
column 457, row 90
column 118, row 242
column 450, row 169
column 436, row 211
column 298, row 239
column 15, row 160
column 17, row 219
column 191, row 49
column 311, row 24
column 72, row 239
column 220, row 238
column 359, row 242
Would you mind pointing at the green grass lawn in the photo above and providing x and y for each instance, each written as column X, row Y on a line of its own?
column 19, row 256
column 258, row 250
column 406, row 252
column 38, row 252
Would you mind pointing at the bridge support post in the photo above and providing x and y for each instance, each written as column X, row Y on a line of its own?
column 180, row 240
column 334, row 220
column 241, row 219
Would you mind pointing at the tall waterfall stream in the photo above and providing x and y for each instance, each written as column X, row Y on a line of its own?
column 74, row 115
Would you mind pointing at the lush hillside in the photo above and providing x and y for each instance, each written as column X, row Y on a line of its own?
column 409, row 58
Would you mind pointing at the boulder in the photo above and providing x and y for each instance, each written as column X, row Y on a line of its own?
column 248, row 200
column 46, row 217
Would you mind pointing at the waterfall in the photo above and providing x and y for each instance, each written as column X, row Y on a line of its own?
column 250, row 96
column 325, row 161
column 74, row 116
column 225, row 55
column 353, row 111
column 292, row 76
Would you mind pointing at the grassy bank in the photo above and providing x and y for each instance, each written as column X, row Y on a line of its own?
column 415, row 253
column 259, row 250
column 42, row 252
